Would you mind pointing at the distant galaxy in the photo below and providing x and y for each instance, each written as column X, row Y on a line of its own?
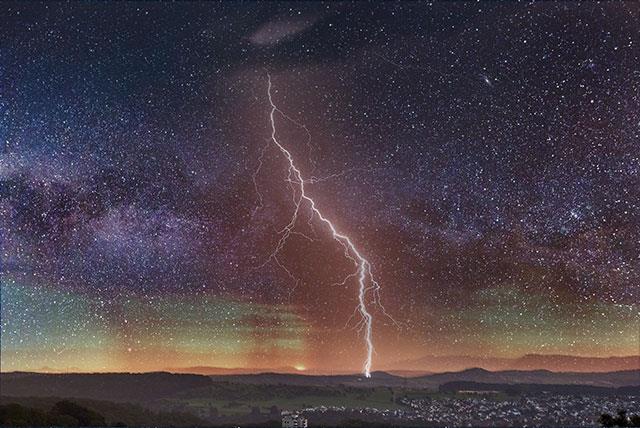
column 483, row 157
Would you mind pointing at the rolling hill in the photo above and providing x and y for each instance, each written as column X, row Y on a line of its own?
column 133, row 387
column 555, row 363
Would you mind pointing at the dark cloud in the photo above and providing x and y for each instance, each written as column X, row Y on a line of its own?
column 273, row 32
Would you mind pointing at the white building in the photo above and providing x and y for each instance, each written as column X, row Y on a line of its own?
column 293, row 420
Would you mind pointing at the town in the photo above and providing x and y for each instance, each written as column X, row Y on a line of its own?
column 536, row 410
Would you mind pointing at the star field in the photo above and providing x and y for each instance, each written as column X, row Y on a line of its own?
column 484, row 157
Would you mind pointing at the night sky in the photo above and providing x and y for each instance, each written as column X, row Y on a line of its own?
column 483, row 157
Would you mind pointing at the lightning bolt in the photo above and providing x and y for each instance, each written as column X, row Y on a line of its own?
column 363, row 271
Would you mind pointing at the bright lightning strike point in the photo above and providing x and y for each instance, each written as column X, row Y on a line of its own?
column 363, row 271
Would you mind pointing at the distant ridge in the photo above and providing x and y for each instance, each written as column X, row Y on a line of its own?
column 554, row 363
column 602, row 379
column 210, row 370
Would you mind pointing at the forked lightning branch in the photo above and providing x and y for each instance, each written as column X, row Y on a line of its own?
column 362, row 273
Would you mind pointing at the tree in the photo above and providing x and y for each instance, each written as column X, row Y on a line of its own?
column 621, row 420
column 16, row 415
column 63, row 421
column 63, row 411
column 606, row 420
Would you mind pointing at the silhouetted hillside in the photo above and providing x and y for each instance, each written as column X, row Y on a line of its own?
column 611, row 379
column 63, row 413
column 36, row 410
column 123, row 387
column 555, row 363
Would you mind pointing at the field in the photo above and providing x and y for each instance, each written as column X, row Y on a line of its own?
column 239, row 399
column 235, row 399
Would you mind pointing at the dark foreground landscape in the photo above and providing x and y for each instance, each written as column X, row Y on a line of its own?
column 473, row 397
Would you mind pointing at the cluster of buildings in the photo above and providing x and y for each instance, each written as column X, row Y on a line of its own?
column 293, row 420
column 536, row 410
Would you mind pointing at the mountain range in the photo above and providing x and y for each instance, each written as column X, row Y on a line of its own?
column 554, row 363
column 438, row 364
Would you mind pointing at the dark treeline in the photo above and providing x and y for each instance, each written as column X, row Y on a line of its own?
column 37, row 409
column 118, row 387
column 63, row 413
column 621, row 420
